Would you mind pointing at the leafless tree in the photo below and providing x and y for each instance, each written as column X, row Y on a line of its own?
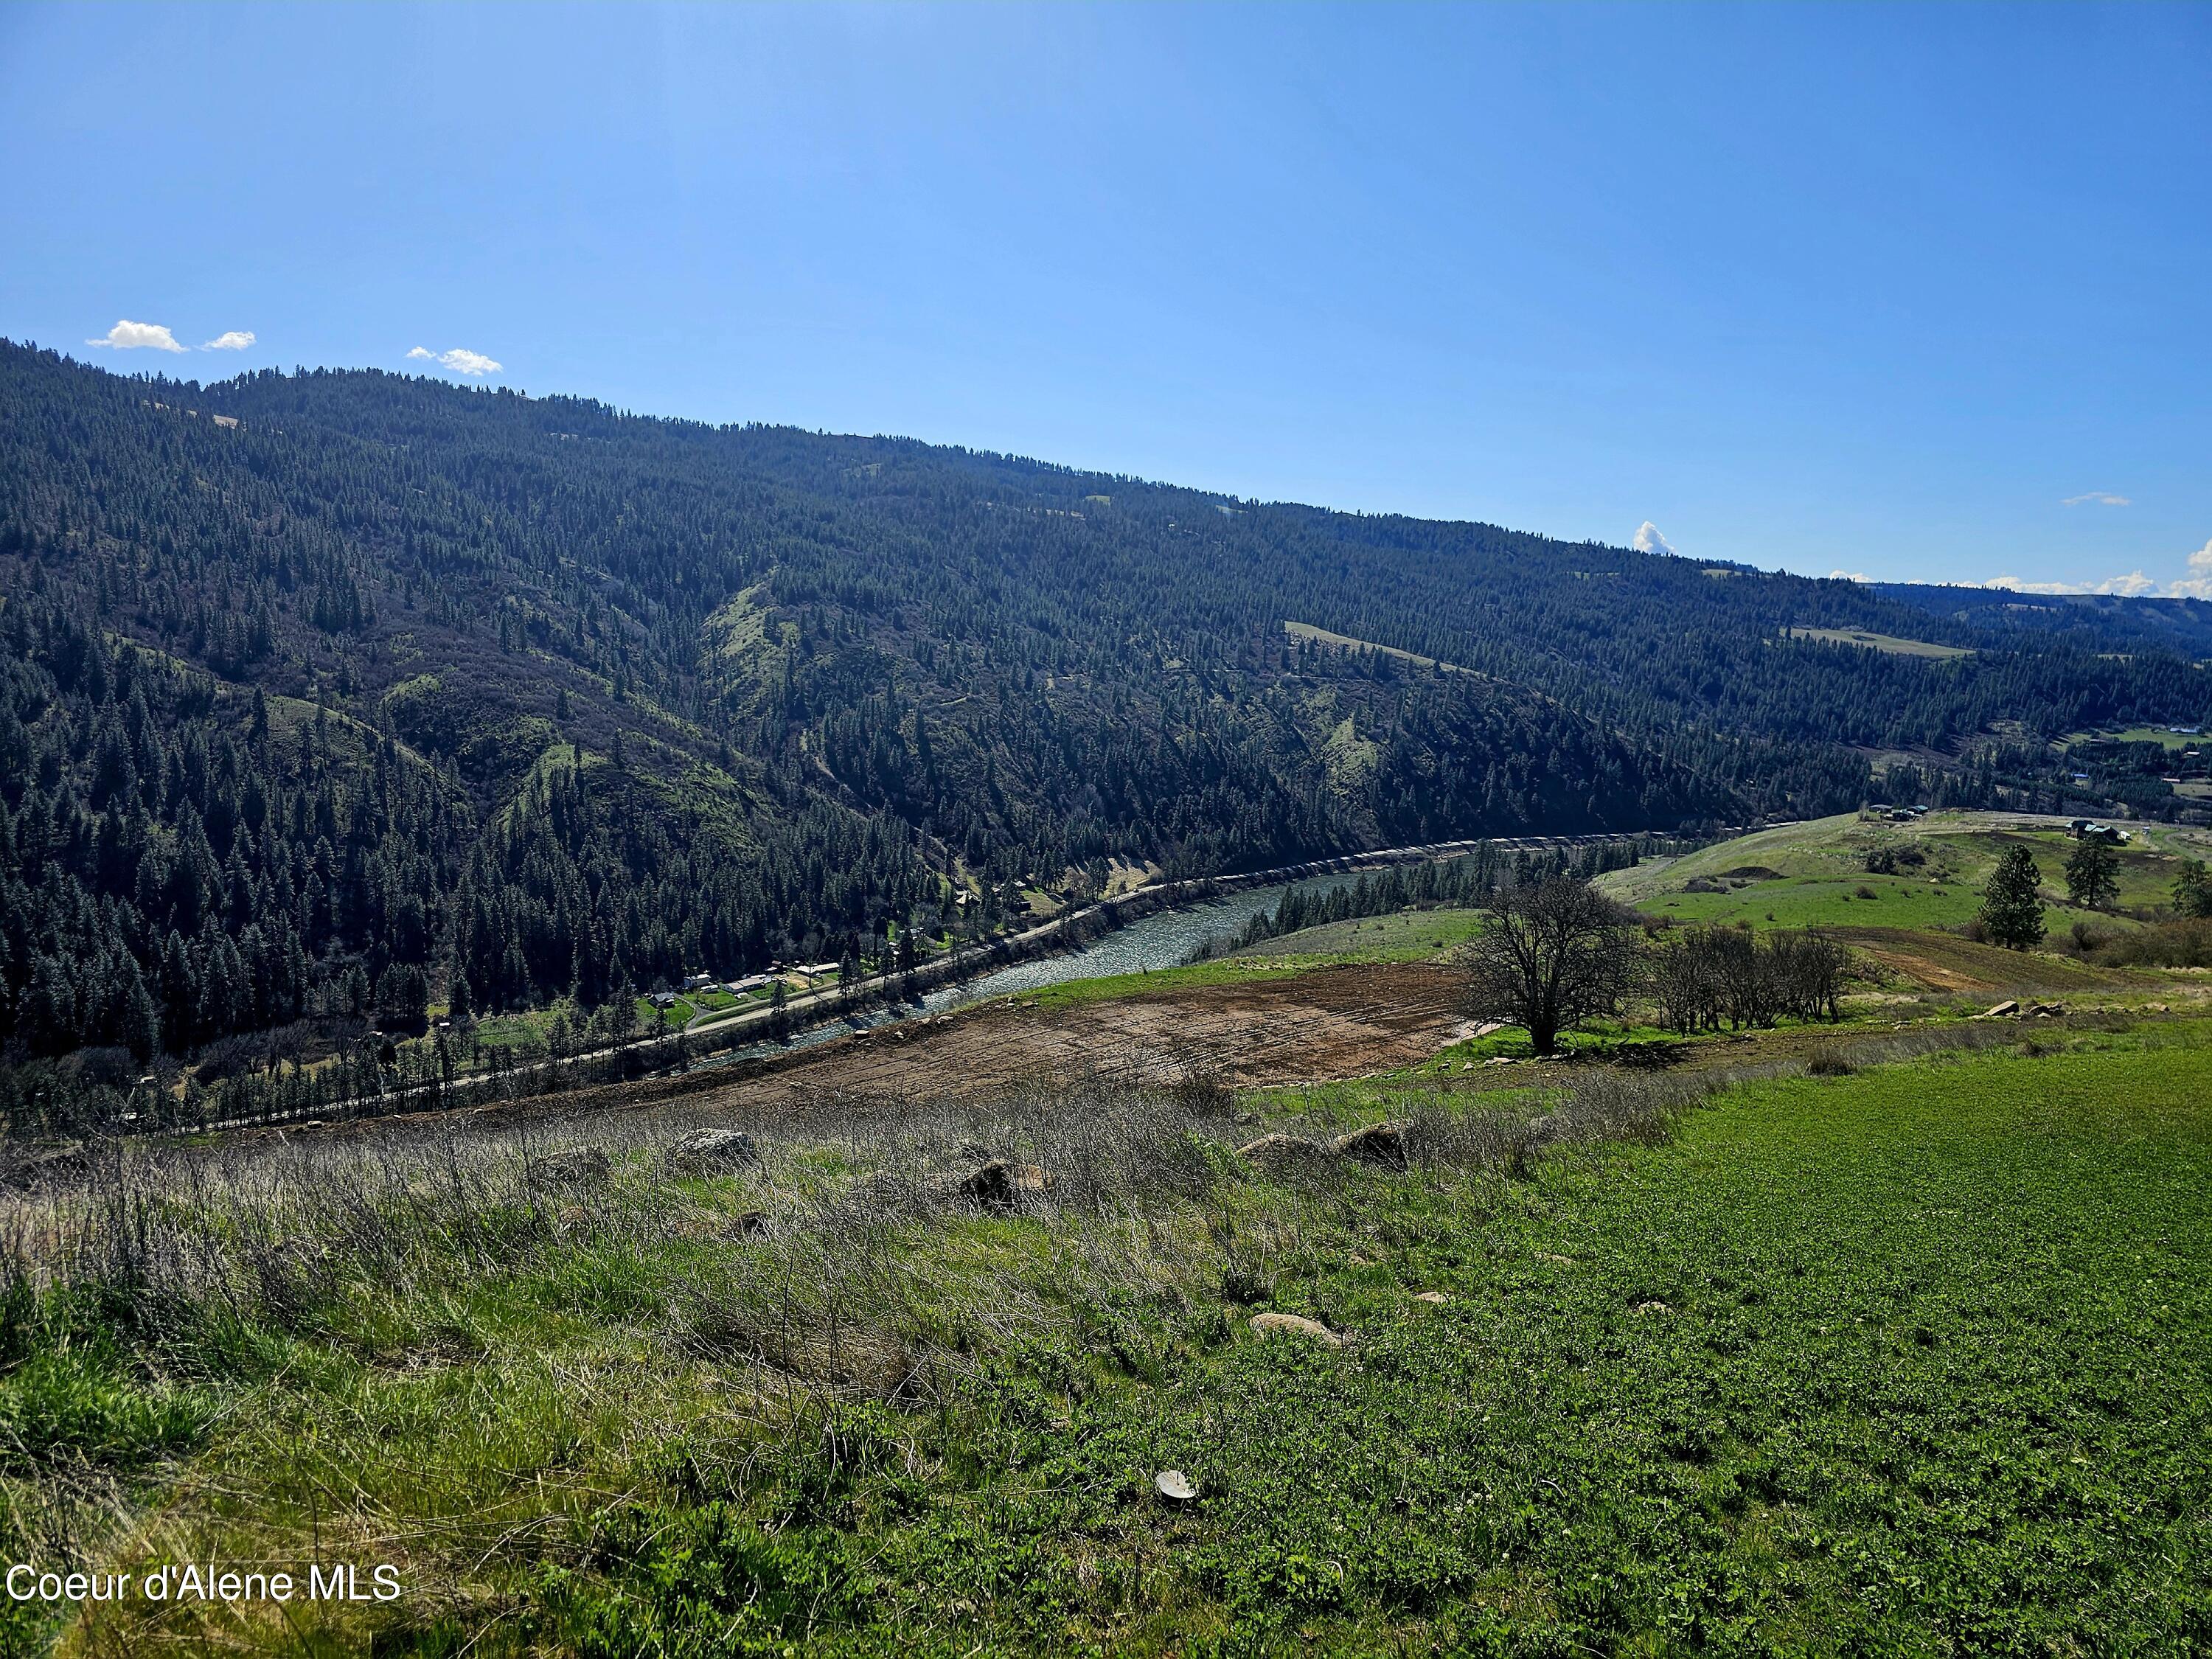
column 1551, row 958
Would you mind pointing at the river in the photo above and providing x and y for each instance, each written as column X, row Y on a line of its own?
column 1163, row 940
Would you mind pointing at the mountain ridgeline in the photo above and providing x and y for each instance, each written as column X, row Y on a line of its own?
column 323, row 689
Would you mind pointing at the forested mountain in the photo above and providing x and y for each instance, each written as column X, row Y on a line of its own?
column 333, row 686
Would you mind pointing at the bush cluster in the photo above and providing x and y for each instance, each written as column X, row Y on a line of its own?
column 1713, row 975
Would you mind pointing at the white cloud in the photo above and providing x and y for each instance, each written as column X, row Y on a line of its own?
column 1649, row 540
column 473, row 364
column 1848, row 576
column 2102, row 498
column 2132, row 585
column 236, row 340
column 2197, row 585
column 127, row 336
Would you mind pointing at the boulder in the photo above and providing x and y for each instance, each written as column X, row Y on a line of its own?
column 1000, row 1185
column 1283, row 1152
column 707, row 1150
column 579, row 1166
column 1283, row 1324
column 1382, row 1144
column 2004, row 1009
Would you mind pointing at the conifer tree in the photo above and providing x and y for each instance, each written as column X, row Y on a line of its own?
column 2011, row 908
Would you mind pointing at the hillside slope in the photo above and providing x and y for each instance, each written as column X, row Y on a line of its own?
column 343, row 672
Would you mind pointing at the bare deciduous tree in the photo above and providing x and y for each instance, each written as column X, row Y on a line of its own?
column 1552, row 957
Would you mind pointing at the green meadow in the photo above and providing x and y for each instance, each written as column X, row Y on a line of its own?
column 1815, row 874
column 1910, row 1357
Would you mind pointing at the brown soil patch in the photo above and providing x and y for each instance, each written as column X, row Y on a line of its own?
column 1325, row 1024
column 1330, row 1023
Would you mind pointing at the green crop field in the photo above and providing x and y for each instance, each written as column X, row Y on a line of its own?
column 1910, row 1360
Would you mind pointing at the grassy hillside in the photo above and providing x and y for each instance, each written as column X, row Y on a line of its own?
column 1912, row 1359
column 1815, row 874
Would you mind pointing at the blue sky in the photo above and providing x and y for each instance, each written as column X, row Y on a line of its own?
column 1917, row 293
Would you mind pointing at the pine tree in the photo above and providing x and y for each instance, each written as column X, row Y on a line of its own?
column 2012, row 910
column 2192, row 890
column 2093, row 875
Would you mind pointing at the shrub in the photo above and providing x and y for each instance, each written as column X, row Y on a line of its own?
column 2184, row 944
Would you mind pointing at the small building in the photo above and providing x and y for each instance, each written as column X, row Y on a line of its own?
column 698, row 981
column 662, row 999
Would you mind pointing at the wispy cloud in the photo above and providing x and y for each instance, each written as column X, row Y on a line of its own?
column 127, row 336
column 474, row 364
column 236, row 340
column 1649, row 540
column 2097, row 498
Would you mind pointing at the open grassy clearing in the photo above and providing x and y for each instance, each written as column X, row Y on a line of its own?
column 1888, row 642
column 1406, row 936
column 1909, row 1360
column 1812, row 874
column 2157, row 734
column 1298, row 630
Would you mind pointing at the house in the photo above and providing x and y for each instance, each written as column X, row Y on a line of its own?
column 662, row 999
column 748, row 985
column 817, row 971
column 698, row 981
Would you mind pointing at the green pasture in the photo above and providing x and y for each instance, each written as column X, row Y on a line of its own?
column 1909, row 1359
column 1815, row 874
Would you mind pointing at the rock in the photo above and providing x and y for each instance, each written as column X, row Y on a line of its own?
column 1282, row 1152
column 1499, row 1059
column 1435, row 1298
column 1381, row 1143
column 578, row 1167
column 1174, row 1486
column 705, row 1150
column 1272, row 1324
column 2047, row 1011
column 2009, row 1006
column 1000, row 1185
